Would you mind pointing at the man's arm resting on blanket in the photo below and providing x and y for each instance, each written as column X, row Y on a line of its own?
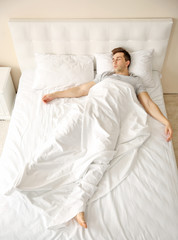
column 78, row 91
column 152, row 109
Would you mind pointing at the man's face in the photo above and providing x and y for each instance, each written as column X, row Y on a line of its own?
column 119, row 62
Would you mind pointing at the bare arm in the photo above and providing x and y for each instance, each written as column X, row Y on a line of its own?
column 152, row 109
column 74, row 92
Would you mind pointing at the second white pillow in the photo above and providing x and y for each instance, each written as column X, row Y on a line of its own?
column 141, row 65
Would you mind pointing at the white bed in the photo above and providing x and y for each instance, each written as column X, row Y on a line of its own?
column 144, row 205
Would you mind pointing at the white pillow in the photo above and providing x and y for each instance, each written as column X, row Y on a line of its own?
column 141, row 65
column 62, row 71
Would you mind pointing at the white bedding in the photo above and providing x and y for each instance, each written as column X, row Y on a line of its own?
column 104, row 132
column 143, row 206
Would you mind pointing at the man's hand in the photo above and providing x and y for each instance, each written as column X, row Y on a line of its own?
column 48, row 97
column 168, row 131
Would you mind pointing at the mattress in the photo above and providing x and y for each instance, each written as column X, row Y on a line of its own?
column 143, row 206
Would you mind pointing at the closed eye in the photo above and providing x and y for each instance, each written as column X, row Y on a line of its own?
column 119, row 58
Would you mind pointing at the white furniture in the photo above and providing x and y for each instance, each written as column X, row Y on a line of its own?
column 7, row 93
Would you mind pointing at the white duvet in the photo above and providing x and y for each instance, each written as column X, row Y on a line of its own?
column 67, row 169
column 136, row 198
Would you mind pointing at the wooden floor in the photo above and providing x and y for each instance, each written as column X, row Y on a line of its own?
column 171, row 102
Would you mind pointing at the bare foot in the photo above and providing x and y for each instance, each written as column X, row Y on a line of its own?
column 81, row 219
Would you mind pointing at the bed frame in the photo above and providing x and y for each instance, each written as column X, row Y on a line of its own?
column 88, row 36
column 145, row 204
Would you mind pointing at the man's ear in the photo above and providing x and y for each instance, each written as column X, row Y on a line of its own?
column 128, row 63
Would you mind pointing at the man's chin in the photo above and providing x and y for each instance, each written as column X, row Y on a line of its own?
column 115, row 70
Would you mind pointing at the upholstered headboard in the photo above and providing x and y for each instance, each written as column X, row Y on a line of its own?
column 87, row 36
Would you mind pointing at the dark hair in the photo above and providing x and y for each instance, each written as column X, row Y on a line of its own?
column 126, row 54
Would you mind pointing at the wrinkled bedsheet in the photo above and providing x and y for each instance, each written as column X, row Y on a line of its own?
column 86, row 156
column 143, row 206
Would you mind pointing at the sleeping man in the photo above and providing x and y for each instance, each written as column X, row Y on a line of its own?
column 121, row 61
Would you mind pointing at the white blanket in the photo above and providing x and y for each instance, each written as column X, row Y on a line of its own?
column 69, row 170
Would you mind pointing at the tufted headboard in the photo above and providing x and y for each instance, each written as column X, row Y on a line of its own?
column 87, row 36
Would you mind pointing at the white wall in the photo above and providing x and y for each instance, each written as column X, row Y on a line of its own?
column 90, row 9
